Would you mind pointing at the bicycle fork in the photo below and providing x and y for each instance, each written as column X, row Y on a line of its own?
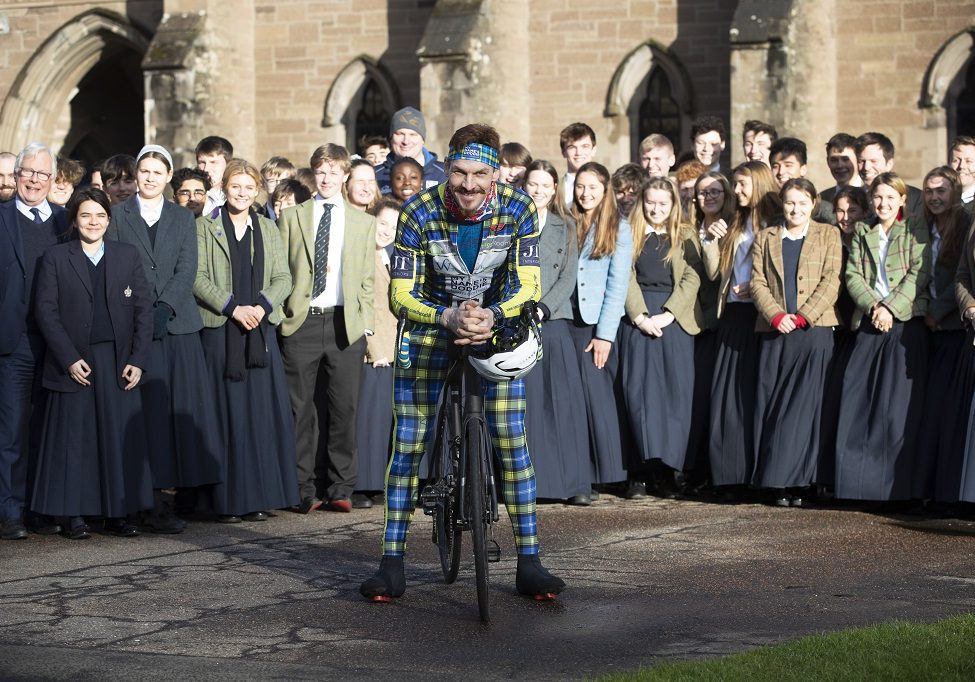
column 474, row 411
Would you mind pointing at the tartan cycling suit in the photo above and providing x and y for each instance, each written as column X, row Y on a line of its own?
column 427, row 276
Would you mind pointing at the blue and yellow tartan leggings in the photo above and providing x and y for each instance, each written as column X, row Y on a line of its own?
column 416, row 391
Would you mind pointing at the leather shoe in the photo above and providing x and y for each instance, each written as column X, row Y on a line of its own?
column 636, row 490
column 340, row 504
column 12, row 529
column 228, row 518
column 782, row 501
column 308, row 504
column 579, row 500
column 76, row 529
column 360, row 501
column 42, row 525
column 255, row 516
column 120, row 528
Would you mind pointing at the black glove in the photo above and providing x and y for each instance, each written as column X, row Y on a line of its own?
column 161, row 315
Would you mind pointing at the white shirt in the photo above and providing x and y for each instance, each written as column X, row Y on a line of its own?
column 150, row 212
column 568, row 187
column 801, row 235
column 333, row 294
column 935, row 250
column 97, row 256
column 215, row 199
column 968, row 195
column 542, row 217
column 43, row 208
column 742, row 270
column 882, row 286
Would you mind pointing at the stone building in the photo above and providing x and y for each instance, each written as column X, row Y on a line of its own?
column 95, row 78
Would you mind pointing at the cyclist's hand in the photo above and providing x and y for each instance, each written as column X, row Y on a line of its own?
column 600, row 352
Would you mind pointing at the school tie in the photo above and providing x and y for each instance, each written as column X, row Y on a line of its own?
column 37, row 216
column 321, row 251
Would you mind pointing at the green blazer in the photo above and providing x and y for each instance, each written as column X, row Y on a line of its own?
column 683, row 302
column 358, row 269
column 908, row 266
column 214, row 286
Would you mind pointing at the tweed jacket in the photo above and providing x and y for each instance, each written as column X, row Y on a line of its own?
column 382, row 343
column 358, row 269
column 965, row 276
column 943, row 306
column 558, row 257
column 908, row 271
column 170, row 263
column 817, row 277
column 214, row 284
column 683, row 302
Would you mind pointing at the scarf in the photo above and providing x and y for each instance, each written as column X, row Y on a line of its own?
column 477, row 215
column 245, row 348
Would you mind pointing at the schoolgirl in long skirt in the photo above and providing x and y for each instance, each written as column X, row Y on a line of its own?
column 603, row 275
column 558, row 435
column 241, row 282
column 657, row 343
column 178, row 408
column 795, row 283
column 93, row 307
column 374, row 414
column 727, row 259
column 883, row 390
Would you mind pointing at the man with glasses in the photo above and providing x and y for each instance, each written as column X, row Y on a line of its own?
column 8, row 184
column 29, row 225
column 190, row 187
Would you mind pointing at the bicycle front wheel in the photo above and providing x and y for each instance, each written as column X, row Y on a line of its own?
column 477, row 513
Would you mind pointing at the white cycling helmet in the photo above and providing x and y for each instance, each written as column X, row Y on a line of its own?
column 512, row 352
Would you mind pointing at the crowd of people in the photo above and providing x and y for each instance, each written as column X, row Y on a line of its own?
column 730, row 333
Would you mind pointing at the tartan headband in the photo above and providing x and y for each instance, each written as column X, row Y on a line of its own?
column 475, row 152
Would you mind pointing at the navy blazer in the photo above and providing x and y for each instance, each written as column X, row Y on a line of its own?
column 63, row 310
column 13, row 274
column 170, row 264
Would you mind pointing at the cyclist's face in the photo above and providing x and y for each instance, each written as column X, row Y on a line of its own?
column 470, row 181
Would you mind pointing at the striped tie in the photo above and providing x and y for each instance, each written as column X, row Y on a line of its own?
column 321, row 251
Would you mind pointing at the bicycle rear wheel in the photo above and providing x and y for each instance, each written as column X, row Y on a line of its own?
column 444, row 474
column 477, row 513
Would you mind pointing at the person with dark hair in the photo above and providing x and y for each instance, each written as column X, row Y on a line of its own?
column 306, row 176
column 708, row 138
column 330, row 247
column 459, row 301
column 578, row 144
column 875, row 155
column 841, row 158
column 407, row 133
column 361, row 189
column 242, row 280
column 180, row 420
column 789, row 158
column 558, row 438
column 374, row 149
column 213, row 153
column 626, row 182
column 405, row 179
column 962, row 161
column 8, row 179
column 95, row 180
column 118, row 175
column 70, row 173
column 757, row 138
column 288, row 193
column 795, row 283
column 887, row 276
column 190, row 187
column 515, row 159
column 94, row 309
column 29, row 225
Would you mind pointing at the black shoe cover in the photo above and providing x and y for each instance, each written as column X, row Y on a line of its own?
column 389, row 582
column 533, row 579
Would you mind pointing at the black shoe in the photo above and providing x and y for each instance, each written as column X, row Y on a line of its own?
column 12, row 529
column 228, row 518
column 534, row 580
column 120, row 528
column 593, row 494
column 360, row 501
column 782, row 501
column 42, row 524
column 579, row 500
column 636, row 490
column 798, row 502
column 388, row 583
column 76, row 529
column 308, row 505
column 161, row 518
column 255, row 516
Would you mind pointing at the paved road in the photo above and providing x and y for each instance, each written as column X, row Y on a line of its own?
column 648, row 581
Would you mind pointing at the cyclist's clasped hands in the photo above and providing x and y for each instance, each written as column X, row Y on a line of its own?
column 469, row 322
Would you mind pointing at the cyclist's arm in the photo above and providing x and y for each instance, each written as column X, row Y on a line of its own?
column 407, row 273
column 524, row 273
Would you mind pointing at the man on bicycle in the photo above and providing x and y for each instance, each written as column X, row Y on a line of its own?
column 465, row 260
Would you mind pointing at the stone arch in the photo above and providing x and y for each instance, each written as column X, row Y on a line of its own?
column 344, row 100
column 38, row 106
column 943, row 81
column 624, row 96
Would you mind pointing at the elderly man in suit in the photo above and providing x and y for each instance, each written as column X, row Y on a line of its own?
column 330, row 247
column 28, row 226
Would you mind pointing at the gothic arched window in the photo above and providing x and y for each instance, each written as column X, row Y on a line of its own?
column 659, row 111
column 372, row 117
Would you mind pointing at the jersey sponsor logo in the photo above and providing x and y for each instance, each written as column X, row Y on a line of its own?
column 528, row 251
column 401, row 265
column 463, row 287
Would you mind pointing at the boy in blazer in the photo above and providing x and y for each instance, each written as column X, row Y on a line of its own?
column 331, row 250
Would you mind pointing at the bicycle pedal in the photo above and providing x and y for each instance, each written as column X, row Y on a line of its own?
column 493, row 552
column 428, row 500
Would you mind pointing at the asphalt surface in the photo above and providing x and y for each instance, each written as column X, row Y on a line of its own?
column 648, row 581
